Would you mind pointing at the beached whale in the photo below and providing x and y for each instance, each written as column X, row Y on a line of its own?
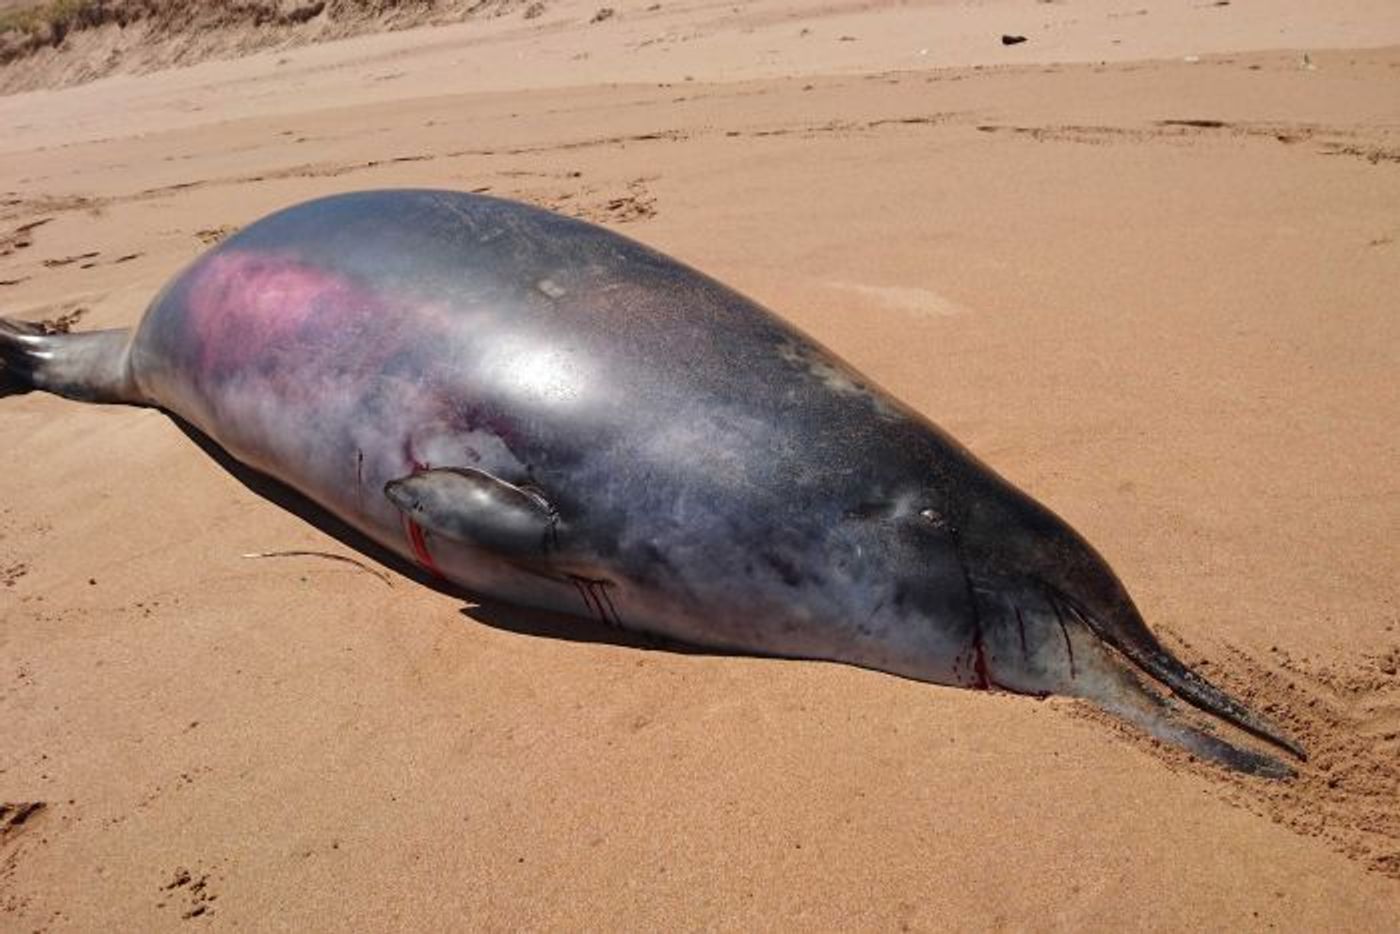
column 539, row 410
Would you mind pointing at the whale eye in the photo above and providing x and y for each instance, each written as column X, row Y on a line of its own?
column 933, row 517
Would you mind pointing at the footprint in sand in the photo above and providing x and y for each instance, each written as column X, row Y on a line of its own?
column 22, row 237
column 14, row 816
column 212, row 235
column 191, row 888
column 69, row 260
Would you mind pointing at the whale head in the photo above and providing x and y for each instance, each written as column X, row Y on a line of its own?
column 1051, row 617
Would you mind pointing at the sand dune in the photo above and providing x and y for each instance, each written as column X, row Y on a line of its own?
column 1156, row 292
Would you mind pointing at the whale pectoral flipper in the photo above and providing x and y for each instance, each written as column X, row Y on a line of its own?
column 473, row 507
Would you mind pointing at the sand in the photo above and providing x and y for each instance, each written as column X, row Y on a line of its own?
column 1152, row 281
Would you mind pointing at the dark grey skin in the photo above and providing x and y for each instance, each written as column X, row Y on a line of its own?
column 542, row 411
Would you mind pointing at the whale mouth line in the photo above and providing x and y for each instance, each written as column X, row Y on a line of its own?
column 1183, row 682
column 1030, row 638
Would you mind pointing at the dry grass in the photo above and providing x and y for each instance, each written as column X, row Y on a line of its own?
column 27, row 27
column 56, row 16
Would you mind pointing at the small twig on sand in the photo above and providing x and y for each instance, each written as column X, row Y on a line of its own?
column 321, row 554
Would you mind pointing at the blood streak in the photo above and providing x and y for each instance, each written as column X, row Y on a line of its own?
column 979, row 664
column 416, row 539
column 419, row 543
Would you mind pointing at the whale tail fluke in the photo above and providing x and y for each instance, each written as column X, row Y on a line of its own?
column 91, row 366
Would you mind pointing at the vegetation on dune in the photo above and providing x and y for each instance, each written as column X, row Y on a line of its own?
column 27, row 27
column 45, row 23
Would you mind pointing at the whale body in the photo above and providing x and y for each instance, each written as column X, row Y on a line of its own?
column 536, row 409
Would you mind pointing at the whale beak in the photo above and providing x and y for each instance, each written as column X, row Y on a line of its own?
column 1053, row 618
column 1037, row 641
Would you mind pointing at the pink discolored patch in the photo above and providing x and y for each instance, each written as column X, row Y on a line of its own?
column 246, row 307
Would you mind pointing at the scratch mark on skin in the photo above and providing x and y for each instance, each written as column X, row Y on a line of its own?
column 360, row 479
column 596, row 598
column 1021, row 627
column 586, row 593
column 979, row 664
column 602, row 587
column 1069, row 647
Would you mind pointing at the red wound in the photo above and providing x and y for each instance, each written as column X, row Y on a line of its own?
column 419, row 543
column 979, row 664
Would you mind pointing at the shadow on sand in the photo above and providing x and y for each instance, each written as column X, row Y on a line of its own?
column 523, row 620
